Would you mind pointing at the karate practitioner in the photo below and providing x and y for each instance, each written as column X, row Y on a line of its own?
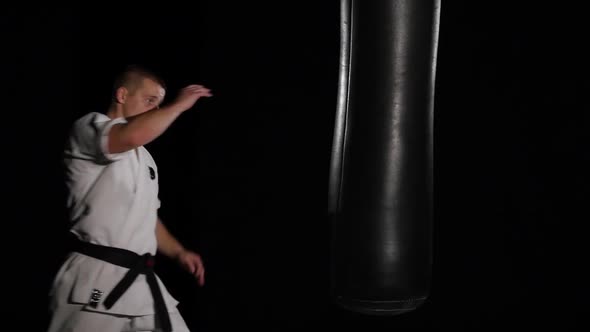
column 107, row 282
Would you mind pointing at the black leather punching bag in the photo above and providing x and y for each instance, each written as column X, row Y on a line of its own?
column 381, row 173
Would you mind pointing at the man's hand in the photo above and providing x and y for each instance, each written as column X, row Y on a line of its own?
column 192, row 262
column 171, row 248
column 188, row 96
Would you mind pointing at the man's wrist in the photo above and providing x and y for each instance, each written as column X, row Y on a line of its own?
column 178, row 253
column 174, row 108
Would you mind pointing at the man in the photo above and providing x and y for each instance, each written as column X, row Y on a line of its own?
column 107, row 281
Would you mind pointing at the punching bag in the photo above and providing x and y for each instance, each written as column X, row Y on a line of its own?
column 380, row 195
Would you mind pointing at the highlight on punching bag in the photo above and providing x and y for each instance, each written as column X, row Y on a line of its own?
column 381, row 186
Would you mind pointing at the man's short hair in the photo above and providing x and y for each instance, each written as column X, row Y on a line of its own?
column 132, row 75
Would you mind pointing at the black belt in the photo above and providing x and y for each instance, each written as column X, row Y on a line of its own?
column 136, row 264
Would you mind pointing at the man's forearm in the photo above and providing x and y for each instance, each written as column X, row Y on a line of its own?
column 146, row 127
column 167, row 244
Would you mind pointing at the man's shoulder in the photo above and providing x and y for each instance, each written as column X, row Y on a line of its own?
column 93, row 122
column 84, row 131
column 89, row 118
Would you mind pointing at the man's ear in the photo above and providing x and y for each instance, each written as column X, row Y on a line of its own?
column 121, row 95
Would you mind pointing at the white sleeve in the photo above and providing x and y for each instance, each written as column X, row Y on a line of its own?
column 89, row 139
column 104, row 127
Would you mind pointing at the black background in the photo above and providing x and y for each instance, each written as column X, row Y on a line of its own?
column 244, row 176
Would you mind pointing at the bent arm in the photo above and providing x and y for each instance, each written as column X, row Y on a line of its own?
column 141, row 129
column 146, row 127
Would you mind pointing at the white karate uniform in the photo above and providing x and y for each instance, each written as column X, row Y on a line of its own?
column 113, row 201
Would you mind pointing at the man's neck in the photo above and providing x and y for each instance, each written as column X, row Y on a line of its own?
column 115, row 111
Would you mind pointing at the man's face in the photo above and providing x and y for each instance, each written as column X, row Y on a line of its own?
column 146, row 97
